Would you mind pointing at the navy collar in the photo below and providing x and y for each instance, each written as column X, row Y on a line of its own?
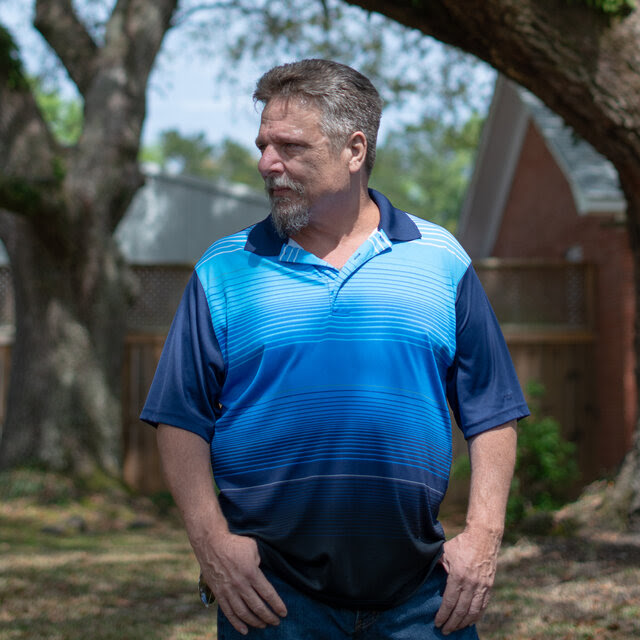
column 264, row 240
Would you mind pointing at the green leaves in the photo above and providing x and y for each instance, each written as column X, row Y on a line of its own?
column 424, row 169
column 11, row 70
column 546, row 469
column 194, row 155
column 609, row 7
column 63, row 116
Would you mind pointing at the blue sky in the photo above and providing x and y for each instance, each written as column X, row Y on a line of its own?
column 182, row 89
column 183, row 92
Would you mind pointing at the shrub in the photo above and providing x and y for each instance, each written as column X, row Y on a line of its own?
column 546, row 469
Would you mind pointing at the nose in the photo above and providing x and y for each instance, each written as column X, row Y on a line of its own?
column 270, row 162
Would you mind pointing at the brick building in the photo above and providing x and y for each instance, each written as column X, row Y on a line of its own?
column 539, row 194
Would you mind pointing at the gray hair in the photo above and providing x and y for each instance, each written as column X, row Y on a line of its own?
column 347, row 100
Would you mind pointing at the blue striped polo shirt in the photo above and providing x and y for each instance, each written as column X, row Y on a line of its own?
column 324, row 395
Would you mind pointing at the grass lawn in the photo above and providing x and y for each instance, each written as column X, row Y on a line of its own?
column 106, row 566
column 99, row 567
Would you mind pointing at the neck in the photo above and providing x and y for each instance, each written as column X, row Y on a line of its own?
column 334, row 233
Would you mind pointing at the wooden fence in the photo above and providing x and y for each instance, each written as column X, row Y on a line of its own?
column 547, row 313
column 6, row 340
column 545, row 309
column 141, row 463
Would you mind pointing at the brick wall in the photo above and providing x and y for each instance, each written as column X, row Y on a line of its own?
column 541, row 221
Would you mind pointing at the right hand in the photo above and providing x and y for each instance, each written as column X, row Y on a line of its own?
column 231, row 568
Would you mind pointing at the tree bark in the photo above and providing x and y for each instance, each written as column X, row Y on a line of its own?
column 58, row 211
column 625, row 496
column 63, row 398
column 585, row 66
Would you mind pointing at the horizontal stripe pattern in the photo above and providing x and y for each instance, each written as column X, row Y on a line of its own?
column 334, row 422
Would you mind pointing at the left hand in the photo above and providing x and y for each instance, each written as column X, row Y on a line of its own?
column 470, row 560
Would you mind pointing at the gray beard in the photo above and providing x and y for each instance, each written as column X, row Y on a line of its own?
column 289, row 215
column 289, row 218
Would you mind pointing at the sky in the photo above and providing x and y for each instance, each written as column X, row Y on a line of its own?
column 183, row 92
column 182, row 88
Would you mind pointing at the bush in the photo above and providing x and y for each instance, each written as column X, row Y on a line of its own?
column 546, row 469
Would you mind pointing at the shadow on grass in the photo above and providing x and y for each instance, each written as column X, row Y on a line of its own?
column 131, row 585
column 569, row 588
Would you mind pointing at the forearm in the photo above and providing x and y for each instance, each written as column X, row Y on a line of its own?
column 186, row 464
column 229, row 562
column 492, row 455
column 471, row 557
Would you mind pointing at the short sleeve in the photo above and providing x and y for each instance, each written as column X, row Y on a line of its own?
column 482, row 385
column 185, row 389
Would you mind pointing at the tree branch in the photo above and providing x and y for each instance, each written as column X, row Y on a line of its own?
column 184, row 15
column 31, row 162
column 104, row 166
column 583, row 64
column 134, row 34
column 62, row 29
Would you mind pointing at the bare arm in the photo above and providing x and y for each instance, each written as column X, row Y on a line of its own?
column 229, row 562
column 471, row 558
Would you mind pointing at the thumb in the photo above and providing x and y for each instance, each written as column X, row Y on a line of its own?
column 444, row 560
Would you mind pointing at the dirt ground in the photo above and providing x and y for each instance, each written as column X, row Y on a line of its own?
column 582, row 587
column 109, row 567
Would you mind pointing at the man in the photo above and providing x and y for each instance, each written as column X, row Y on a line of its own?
column 309, row 365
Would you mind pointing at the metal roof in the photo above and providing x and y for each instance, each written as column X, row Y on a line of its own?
column 592, row 178
column 173, row 218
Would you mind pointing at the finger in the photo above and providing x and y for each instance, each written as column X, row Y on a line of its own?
column 268, row 593
column 235, row 622
column 457, row 617
column 449, row 601
column 477, row 607
column 259, row 608
column 239, row 615
column 468, row 609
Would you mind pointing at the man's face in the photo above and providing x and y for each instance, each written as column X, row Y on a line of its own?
column 300, row 168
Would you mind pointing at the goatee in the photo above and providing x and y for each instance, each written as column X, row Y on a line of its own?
column 290, row 213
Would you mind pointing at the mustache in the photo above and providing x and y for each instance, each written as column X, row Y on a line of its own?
column 282, row 182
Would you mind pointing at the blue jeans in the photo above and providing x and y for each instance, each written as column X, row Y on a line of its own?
column 310, row 619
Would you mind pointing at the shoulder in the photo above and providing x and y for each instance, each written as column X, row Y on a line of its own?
column 439, row 244
column 226, row 246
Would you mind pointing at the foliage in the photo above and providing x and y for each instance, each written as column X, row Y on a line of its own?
column 194, row 155
column 609, row 7
column 424, row 169
column 187, row 154
column 11, row 71
column 64, row 117
column 546, row 469
column 406, row 66
column 235, row 163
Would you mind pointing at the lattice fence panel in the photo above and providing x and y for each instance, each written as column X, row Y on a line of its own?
column 159, row 292
column 539, row 294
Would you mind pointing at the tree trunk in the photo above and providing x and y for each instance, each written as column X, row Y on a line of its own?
column 59, row 208
column 63, row 399
column 624, row 498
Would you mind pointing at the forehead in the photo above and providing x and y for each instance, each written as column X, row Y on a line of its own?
column 292, row 116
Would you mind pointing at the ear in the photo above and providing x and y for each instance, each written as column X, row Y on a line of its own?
column 356, row 148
